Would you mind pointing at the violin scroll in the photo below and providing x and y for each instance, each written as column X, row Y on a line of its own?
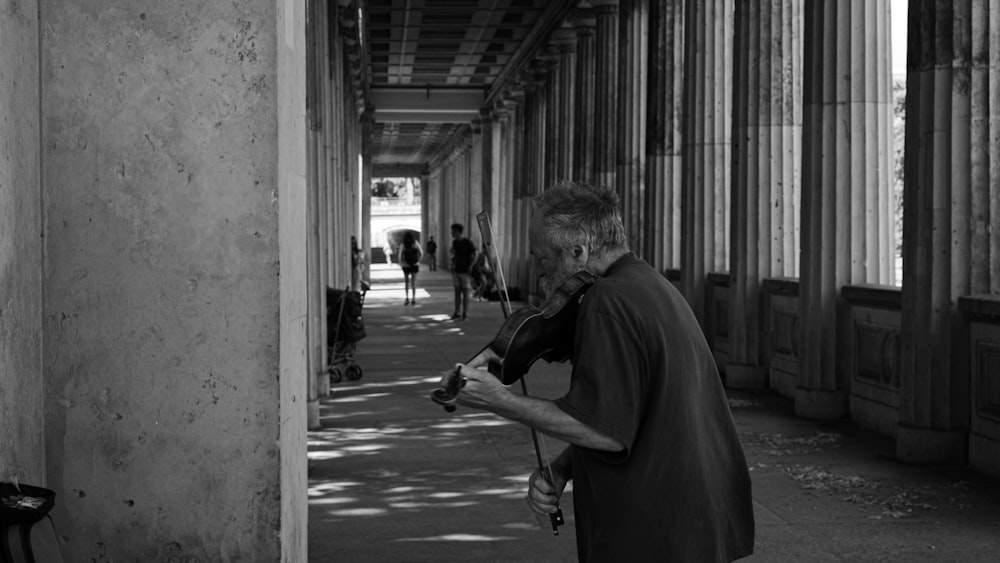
column 447, row 395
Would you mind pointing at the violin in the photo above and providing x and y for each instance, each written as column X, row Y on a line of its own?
column 530, row 334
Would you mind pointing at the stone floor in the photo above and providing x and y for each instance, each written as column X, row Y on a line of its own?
column 394, row 478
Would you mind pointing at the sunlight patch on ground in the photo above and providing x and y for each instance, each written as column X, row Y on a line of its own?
column 446, row 494
column 358, row 398
column 398, row 490
column 466, row 423
column 358, row 512
column 502, row 492
column 366, row 448
column 333, row 487
column 339, row 415
column 458, row 537
column 393, row 291
column 324, row 455
column 332, row 500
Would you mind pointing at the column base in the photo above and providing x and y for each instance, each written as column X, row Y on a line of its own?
column 931, row 446
column 323, row 384
column 820, row 404
column 984, row 454
column 745, row 376
column 312, row 415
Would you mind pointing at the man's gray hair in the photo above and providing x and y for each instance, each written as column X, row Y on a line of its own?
column 577, row 213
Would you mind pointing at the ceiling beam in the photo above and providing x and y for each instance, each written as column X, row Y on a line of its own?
column 426, row 105
column 380, row 170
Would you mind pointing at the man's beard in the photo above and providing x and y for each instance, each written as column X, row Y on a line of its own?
column 548, row 284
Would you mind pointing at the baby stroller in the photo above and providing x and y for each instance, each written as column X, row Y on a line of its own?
column 344, row 328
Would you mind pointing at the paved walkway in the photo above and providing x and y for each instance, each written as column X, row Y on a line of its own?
column 394, row 478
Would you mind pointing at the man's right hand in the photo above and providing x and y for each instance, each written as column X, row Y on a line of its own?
column 543, row 496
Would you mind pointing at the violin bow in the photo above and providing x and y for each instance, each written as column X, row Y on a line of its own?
column 486, row 231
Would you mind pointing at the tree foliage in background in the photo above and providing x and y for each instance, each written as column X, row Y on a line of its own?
column 899, row 132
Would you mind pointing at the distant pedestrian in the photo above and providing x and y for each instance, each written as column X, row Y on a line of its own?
column 432, row 248
column 357, row 264
column 463, row 255
column 410, row 254
column 483, row 281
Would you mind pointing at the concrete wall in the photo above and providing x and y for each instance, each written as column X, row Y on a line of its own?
column 21, row 405
column 160, row 151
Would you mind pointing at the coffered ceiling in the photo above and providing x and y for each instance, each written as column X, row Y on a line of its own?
column 432, row 64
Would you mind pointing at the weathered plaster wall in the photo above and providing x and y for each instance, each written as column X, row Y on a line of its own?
column 22, row 452
column 161, row 278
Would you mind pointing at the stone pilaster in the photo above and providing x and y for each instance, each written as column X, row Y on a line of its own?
column 564, row 40
column 949, row 241
column 846, row 184
column 767, row 136
column 476, row 167
column 633, row 49
column 606, row 91
column 549, row 94
column 706, row 129
column 586, row 93
column 487, row 161
column 516, row 231
column 316, row 387
column 662, row 246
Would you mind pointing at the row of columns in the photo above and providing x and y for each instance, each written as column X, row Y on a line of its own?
column 772, row 158
column 334, row 139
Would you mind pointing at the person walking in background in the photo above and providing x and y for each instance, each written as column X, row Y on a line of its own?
column 432, row 248
column 357, row 264
column 463, row 255
column 482, row 275
column 410, row 254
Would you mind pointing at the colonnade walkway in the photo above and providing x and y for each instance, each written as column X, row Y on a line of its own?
column 394, row 478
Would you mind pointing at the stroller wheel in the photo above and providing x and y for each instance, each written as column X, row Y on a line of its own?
column 354, row 372
column 335, row 375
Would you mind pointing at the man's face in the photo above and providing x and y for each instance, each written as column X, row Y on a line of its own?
column 553, row 267
column 455, row 233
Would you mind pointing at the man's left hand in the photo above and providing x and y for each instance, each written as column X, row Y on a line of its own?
column 482, row 390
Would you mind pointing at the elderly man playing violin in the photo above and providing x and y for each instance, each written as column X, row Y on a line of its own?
column 657, row 468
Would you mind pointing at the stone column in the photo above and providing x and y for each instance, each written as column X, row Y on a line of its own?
column 846, row 184
column 633, row 49
column 949, row 242
column 606, row 91
column 475, row 186
column 564, row 40
column 585, row 111
column 317, row 384
column 340, row 197
column 767, row 136
column 540, row 150
column 549, row 90
column 661, row 246
column 705, row 154
column 486, row 160
column 506, row 116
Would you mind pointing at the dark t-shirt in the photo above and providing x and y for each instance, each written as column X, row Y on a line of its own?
column 463, row 251
column 644, row 374
column 431, row 247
